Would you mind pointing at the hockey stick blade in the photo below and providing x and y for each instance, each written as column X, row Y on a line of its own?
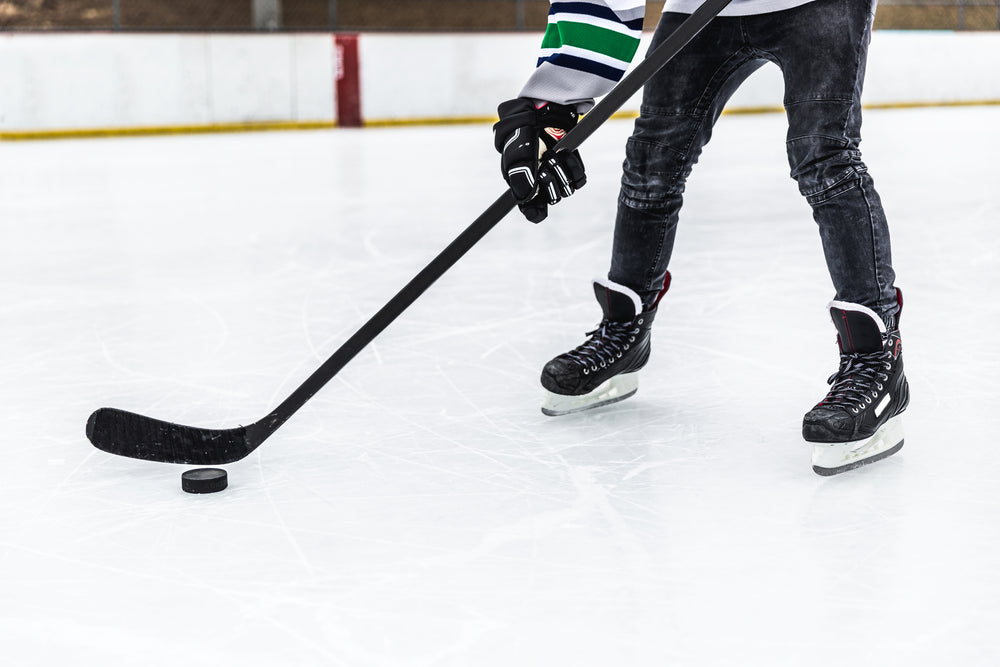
column 136, row 436
column 139, row 437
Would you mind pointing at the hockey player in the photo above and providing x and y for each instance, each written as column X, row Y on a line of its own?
column 821, row 47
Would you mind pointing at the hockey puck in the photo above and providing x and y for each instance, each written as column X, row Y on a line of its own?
column 204, row 480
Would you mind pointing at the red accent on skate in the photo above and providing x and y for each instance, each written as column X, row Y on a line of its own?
column 847, row 328
column 663, row 290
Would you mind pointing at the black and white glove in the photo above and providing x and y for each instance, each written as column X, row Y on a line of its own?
column 537, row 175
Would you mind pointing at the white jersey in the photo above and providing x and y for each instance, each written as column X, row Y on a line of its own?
column 589, row 44
column 736, row 7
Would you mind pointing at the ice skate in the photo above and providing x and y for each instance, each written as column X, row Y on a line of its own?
column 604, row 369
column 860, row 420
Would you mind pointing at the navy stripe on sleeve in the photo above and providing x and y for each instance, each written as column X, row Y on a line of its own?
column 598, row 11
column 584, row 65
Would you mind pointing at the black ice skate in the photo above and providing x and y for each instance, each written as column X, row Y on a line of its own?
column 860, row 420
column 602, row 370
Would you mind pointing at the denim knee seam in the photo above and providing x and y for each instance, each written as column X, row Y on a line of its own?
column 636, row 202
column 847, row 181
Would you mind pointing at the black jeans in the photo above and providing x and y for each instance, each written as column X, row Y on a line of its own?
column 821, row 48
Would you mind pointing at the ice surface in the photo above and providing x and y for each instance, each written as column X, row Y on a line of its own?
column 420, row 510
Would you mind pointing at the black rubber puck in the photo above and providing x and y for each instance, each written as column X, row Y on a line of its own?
column 204, row 480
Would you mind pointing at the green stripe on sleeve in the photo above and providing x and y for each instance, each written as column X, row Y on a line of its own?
column 591, row 38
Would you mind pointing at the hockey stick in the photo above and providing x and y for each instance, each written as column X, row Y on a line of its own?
column 139, row 437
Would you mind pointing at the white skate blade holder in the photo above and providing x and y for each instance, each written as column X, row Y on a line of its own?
column 614, row 389
column 837, row 457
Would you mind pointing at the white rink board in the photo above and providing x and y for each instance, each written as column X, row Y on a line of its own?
column 55, row 82
column 467, row 75
column 106, row 81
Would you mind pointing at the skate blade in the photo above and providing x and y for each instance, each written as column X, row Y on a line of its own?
column 835, row 458
column 615, row 389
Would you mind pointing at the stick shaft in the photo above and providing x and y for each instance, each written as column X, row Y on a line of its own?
column 642, row 73
column 597, row 116
column 388, row 313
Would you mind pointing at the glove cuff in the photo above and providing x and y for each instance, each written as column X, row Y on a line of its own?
column 521, row 112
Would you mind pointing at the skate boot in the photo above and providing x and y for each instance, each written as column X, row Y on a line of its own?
column 860, row 420
column 603, row 369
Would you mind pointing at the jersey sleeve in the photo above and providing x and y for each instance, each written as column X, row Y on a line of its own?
column 587, row 47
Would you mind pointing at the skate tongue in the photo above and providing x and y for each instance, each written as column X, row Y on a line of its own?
column 619, row 303
column 859, row 328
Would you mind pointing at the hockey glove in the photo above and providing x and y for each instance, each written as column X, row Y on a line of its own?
column 537, row 175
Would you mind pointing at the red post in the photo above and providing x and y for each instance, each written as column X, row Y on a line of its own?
column 348, row 77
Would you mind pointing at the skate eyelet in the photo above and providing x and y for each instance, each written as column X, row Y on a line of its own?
column 593, row 368
column 631, row 339
column 854, row 410
column 640, row 320
column 619, row 355
column 586, row 371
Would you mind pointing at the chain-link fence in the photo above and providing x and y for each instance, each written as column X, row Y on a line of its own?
column 406, row 15
column 172, row 15
column 938, row 15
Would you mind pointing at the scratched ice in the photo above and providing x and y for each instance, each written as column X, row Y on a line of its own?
column 421, row 510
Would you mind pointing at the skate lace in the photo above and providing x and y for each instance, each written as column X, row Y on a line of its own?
column 858, row 381
column 607, row 343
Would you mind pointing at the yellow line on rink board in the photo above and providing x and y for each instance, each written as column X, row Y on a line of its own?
column 81, row 133
column 85, row 133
